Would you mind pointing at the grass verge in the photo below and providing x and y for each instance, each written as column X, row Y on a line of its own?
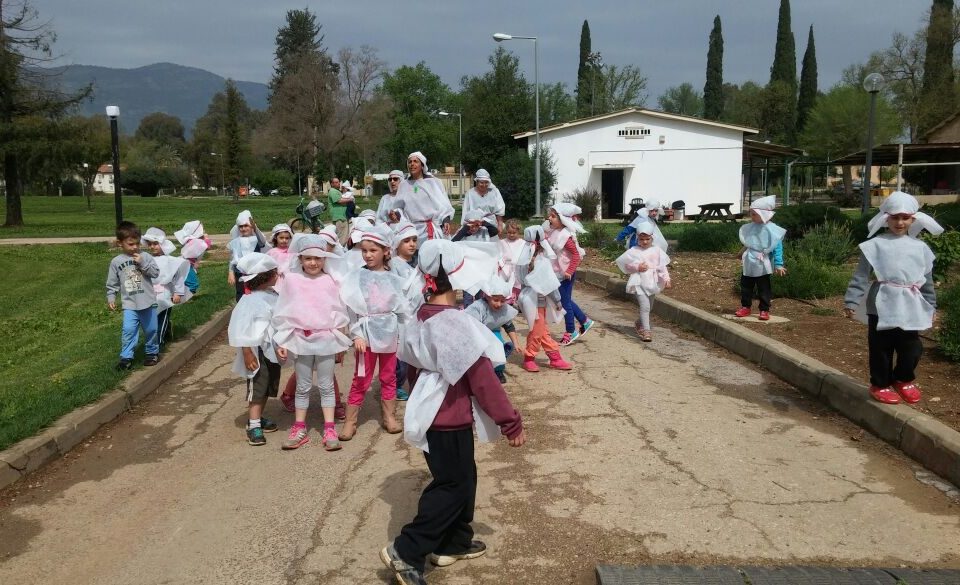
column 60, row 342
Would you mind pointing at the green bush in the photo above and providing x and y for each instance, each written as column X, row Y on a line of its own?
column 948, row 303
column 596, row 236
column 710, row 237
column 797, row 219
column 830, row 242
column 946, row 214
column 946, row 247
column 71, row 188
column 588, row 200
column 809, row 277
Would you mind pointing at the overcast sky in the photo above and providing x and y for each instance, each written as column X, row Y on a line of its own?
column 667, row 39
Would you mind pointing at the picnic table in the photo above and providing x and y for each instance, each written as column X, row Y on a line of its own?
column 719, row 211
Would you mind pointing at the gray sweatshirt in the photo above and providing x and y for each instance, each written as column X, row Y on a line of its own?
column 860, row 283
column 133, row 281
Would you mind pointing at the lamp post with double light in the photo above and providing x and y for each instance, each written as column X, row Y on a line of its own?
column 500, row 37
column 873, row 83
column 113, row 112
column 460, row 156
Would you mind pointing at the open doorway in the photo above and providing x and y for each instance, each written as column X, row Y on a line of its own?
column 611, row 186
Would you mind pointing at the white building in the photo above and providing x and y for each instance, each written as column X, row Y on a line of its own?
column 647, row 154
column 103, row 181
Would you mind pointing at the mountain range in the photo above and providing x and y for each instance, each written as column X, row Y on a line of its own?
column 184, row 92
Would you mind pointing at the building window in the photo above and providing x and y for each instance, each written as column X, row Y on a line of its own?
column 455, row 183
column 633, row 132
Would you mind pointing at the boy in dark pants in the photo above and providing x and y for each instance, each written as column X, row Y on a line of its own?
column 250, row 332
column 900, row 302
column 441, row 530
column 761, row 239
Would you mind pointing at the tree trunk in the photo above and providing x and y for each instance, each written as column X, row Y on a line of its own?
column 11, row 176
column 847, row 181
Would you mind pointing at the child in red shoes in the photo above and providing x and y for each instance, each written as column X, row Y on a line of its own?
column 539, row 299
column 900, row 302
column 762, row 254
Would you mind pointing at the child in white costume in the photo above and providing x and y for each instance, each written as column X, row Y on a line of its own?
column 170, row 285
column 377, row 306
column 194, row 242
column 247, row 238
column 492, row 310
column 424, row 200
column 900, row 302
column 646, row 264
column 281, row 237
column 539, row 299
column 762, row 255
column 476, row 227
column 251, row 332
column 561, row 228
column 647, row 214
column 309, row 320
column 403, row 263
column 511, row 244
column 456, row 390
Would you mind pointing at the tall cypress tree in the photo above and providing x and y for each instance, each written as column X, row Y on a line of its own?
column 780, row 120
column 938, row 98
column 584, row 73
column 300, row 34
column 713, row 88
column 808, row 83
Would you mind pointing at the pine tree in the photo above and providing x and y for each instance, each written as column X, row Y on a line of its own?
column 808, row 83
column 300, row 34
column 235, row 146
column 938, row 97
column 780, row 121
column 584, row 72
column 713, row 88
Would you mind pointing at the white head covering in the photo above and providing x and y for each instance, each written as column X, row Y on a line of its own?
column 466, row 267
column 329, row 234
column 419, row 156
column 395, row 173
column 243, row 218
column 899, row 202
column 535, row 233
column 345, row 185
column 482, row 175
column 402, row 231
column 193, row 249
column 474, row 215
column 255, row 263
column 496, row 286
column 645, row 228
column 378, row 234
column 368, row 214
column 280, row 227
column 652, row 204
column 191, row 229
column 568, row 213
column 764, row 207
column 159, row 236
column 310, row 245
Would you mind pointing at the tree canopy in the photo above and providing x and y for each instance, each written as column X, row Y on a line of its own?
column 808, row 83
column 713, row 87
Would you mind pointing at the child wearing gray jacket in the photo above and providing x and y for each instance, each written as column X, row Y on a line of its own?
column 131, row 275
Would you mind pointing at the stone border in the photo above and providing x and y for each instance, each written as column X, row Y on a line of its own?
column 930, row 442
column 75, row 427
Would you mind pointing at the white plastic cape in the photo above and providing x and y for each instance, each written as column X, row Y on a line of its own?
column 250, row 326
column 760, row 240
column 652, row 280
column 389, row 202
column 490, row 204
column 377, row 307
column 429, row 346
column 309, row 315
column 412, row 279
column 900, row 265
column 658, row 239
column 242, row 245
column 509, row 251
column 541, row 282
column 171, row 281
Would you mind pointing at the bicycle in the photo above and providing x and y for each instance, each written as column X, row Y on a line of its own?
column 308, row 216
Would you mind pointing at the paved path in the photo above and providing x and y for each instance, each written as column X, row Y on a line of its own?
column 663, row 452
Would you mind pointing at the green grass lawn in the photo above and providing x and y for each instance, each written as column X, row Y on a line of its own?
column 68, row 216
column 60, row 342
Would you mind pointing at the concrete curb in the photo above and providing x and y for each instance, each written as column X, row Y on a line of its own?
column 928, row 441
column 75, row 427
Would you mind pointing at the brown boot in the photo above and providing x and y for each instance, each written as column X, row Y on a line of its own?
column 350, row 424
column 389, row 417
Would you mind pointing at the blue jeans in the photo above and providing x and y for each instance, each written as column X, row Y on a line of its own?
column 133, row 321
column 572, row 309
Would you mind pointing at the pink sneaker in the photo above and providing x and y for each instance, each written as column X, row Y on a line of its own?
column 530, row 365
column 297, row 438
column 764, row 316
column 742, row 312
column 331, row 441
column 557, row 362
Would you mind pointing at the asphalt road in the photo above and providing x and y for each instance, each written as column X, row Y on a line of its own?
column 671, row 451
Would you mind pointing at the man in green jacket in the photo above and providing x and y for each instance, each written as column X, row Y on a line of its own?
column 338, row 209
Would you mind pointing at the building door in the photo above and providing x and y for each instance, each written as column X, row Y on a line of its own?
column 611, row 188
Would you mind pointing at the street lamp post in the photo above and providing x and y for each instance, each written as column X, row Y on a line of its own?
column 872, row 83
column 113, row 112
column 500, row 37
column 460, row 163
column 86, row 192
column 223, row 188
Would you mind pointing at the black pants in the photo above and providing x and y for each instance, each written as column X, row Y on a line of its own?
column 883, row 344
column 442, row 523
column 762, row 286
column 164, row 327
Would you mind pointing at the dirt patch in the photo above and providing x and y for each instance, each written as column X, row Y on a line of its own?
column 706, row 280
